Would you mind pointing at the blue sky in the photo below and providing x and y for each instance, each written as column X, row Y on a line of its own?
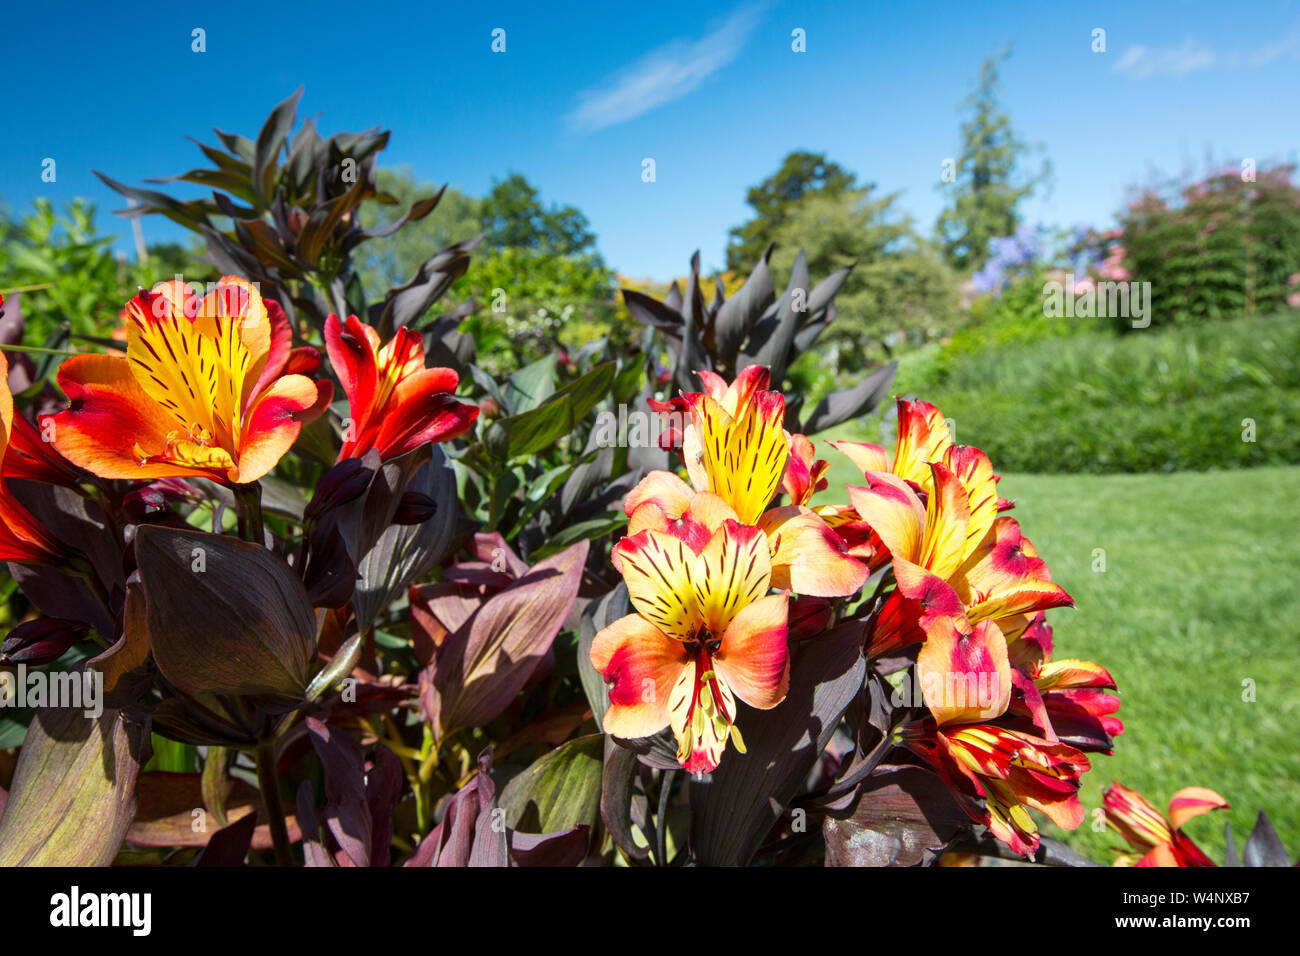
column 714, row 94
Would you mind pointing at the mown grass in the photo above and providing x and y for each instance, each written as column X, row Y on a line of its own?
column 1197, row 604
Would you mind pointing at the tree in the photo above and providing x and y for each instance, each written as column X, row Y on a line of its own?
column 538, row 278
column 536, row 254
column 388, row 264
column 899, row 285
column 514, row 218
column 801, row 174
column 986, row 191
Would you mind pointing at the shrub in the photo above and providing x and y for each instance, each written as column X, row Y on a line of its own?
column 67, row 275
column 1158, row 401
column 1216, row 249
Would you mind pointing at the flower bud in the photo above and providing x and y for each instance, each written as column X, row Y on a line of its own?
column 345, row 482
column 415, row 508
column 41, row 641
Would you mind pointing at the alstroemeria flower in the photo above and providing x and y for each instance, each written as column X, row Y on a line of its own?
column 993, row 769
column 997, row 772
column 22, row 538
column 32, row 458
column 396, row 404
column 955, row 560
column 735, row 445
column 1065, row 699
column 805, row 473
column 923, row 437
column 208, row 388
column 705, row 633
column 1160, row 841
column 806, row 556
column 28, row 456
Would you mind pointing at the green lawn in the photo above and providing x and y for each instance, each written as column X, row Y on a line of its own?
column 1199, row 596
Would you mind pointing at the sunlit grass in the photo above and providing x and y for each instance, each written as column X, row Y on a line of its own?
column 1198, row 597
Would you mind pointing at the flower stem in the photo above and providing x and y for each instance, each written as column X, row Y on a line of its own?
column 250, row 512
column 36, row 350
column 661, row 818
column 269, row 784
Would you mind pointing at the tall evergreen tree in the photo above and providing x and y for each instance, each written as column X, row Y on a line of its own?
column 987, row 189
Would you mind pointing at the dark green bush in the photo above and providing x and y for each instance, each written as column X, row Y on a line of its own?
column 1151, row 401
column 1217, row 249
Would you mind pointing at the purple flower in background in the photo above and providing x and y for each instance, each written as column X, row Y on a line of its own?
column 990, row 278
column 1010, row 256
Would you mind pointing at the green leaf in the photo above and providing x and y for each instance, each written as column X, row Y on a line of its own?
column 582, row 531
column 73, row 794
column 539, row 493
column 560, row 791
column 539, row 428
column 12, row 733
column 531, row 385
column 596, row 616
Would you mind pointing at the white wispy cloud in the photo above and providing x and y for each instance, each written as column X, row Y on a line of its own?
column 1191, row 55
column 1143, row 61
column 663, row 75
column 1287, row 47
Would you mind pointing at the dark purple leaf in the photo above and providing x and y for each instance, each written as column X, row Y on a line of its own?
column 230, row 844
column 347, row 812
column 736, row 807
column 481, row 667
column 224, row 616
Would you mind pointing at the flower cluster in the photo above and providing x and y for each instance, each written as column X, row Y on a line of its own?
column 1004, row 725
column 962, row 599
column 1009, row 257
column 701, row 560
column 211, row 387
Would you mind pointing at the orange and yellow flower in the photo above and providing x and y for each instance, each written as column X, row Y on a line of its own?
column 32, row 458
column 956, row 560
column 806, row 556
column 923, row 437
column 1159, row 840
column 210, row 387
column 735, row 444
column 995, row 769
column 396, row 404
column 805, row 473
column 738, row 455
column 1067, row 699
column 705, row 633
